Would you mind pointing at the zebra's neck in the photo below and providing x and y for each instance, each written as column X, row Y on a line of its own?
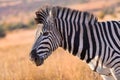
column 77, row 41
column 73, row 26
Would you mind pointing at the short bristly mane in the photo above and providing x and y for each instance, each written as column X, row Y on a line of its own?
column 43, row 13
column 57, row 10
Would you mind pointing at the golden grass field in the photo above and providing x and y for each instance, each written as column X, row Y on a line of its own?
column 15, row 63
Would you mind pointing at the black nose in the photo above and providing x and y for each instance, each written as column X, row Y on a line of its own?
column 36, row 58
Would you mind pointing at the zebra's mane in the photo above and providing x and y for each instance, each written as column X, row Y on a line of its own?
column 44, row 14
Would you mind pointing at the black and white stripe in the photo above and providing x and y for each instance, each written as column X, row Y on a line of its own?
column 97, row 43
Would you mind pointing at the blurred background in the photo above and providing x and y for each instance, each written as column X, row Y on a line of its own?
column 17, row 33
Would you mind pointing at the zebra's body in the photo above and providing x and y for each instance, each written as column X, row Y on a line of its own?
column 97, row 43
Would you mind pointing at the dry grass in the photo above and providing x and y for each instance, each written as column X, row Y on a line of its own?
column 15, row 63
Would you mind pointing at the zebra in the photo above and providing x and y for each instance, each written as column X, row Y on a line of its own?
column 79, row 32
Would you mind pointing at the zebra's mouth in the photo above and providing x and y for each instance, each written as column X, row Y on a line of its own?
column 36, row 58
column 39, row 59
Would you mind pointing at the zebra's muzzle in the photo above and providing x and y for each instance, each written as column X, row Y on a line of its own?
column 38, row 60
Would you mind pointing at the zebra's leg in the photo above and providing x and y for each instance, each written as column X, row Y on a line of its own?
column 107, row 77
column 116, row 73
column 104, row 71
column 118, row 77
column 106, row 74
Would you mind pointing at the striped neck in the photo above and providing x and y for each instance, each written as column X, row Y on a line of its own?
column 73, row 25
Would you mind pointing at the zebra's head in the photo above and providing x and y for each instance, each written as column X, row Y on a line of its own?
column 50, row 38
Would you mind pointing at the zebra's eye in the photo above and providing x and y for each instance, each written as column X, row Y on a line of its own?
column 45, row 33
